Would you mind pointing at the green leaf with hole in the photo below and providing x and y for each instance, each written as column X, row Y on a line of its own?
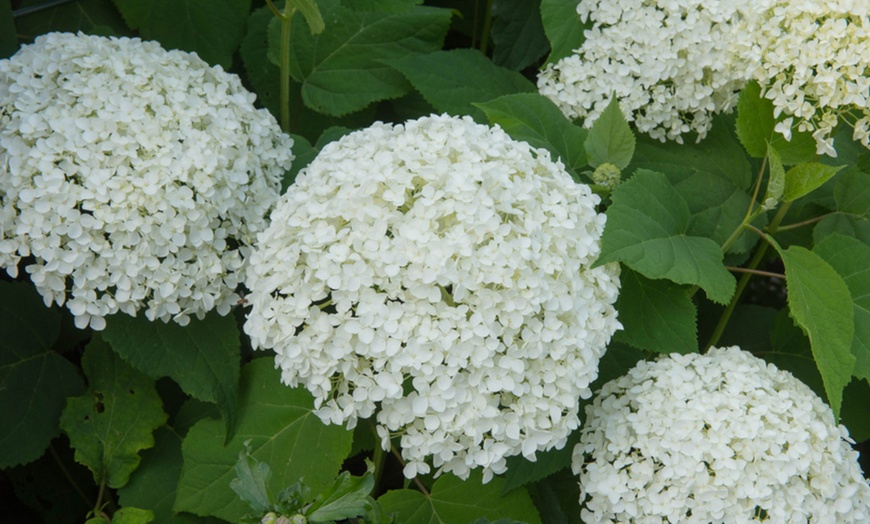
column 820, row 303
column 345, row 68
column 755, row 128
column 805, row 178
column 283, row 432
column 535, row 119
column 452, row 500
column 848, row 256
column 453, row 81
column 34, row 380
column 115, row 419
column 563, row 27
column 610, row 138
column 646, row 230
column 213, row 29
column 656, row 315
column 203, row 357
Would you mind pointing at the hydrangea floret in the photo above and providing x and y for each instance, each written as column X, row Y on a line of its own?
column 131, row 177
column 717, row 438
column 437, row 274
column 812, row 60
column 668, row 62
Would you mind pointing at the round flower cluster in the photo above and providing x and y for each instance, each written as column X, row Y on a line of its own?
column 668, row 62
column 718, row 438
column 439, row 273
column 812, row 59
column 131, row 176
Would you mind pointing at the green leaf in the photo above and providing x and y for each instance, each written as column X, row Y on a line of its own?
column 849, row 257
column 610, row 138
column 453, row 501
column 213, row 29
column 535, row 119
column 563, row 27
column 132, row 516
column 305, row 153
column 88, row 16
column 452, row 81
column 656, row 315
column 34, row 380
column 8, row 36
column 777, row 182
column 852, row 199
column 755, row 128
column 557, row 498
column 115, row 419
column 345, row 68
column 522, row 471
column 283, row 433
column 202, row 357
column 251, row 482
column 646, row 230
column 820, row 303
column 152, row 485
column 517, row 33
column 263, row 75
column 312, row 15
column 806, row 177
column 347, row 498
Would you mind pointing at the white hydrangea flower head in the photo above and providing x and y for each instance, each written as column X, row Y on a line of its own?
column 437, row 273
column 812, row 60
column 131, row 176
column 668, row 62
column 715, row 438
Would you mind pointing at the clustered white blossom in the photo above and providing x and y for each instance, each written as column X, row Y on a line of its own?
column 668, row 62
column 673, row 64
column 131, row 176
column 812, row 60
column 716, row 438
column 437, row 273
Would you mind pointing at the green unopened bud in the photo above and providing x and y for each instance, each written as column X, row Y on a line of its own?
column 269, row 518
column 607, row 176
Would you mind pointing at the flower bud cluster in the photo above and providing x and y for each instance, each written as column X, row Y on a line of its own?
column 437, row 274
column 131, row 176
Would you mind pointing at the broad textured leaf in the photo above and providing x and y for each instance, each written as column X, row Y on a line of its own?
column 852, row 199
column 806, row 177
column 88, row 16
column 522, row 471
column 8, row 38
column 820, row 303
column 263, row 75
column 535, row 119
column 563, row 27
column 656, row 315
column 132, row 516
column 344, row 68
column 556, row 497
column 610, row 138
column 454, row 501
column 115, row 419
column 213, row 29
column 452, row 81
column 849, row 258
column 202, row 357
column 34, row 380
column 252, row 482
column 283, row 432
column 646, row 230
column 348, row 497
column 517, row 33
column 755, row 128
column 152, row 485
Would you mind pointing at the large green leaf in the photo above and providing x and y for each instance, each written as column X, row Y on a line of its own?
column 283, row 432
column 115, row 419
column 610, row 138
column 557, row 498
column 454, row 501
column 820, row 303
column 755, row 127
column 849, row 258
column 88, row 16
column 34, row 380
column 213, row 29
column 202, row 357
column 452, row 81
column 263, row 75
column 517, row 33
column 806, row 177
column 345, row 68
column 522, row 471
column 656, row 315
column 563, row 27
column 852, row 198
column 647, row 228
column 535, row 119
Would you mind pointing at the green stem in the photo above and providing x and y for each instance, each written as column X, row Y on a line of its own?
column 97, row 509
column 803, row 223
column 755, row 272
column 487, row 24
column 286, row 24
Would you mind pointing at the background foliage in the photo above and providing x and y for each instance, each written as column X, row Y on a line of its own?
column 148, row 421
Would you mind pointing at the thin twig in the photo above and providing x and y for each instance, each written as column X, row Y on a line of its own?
column 755, row 272
column 415, row 479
